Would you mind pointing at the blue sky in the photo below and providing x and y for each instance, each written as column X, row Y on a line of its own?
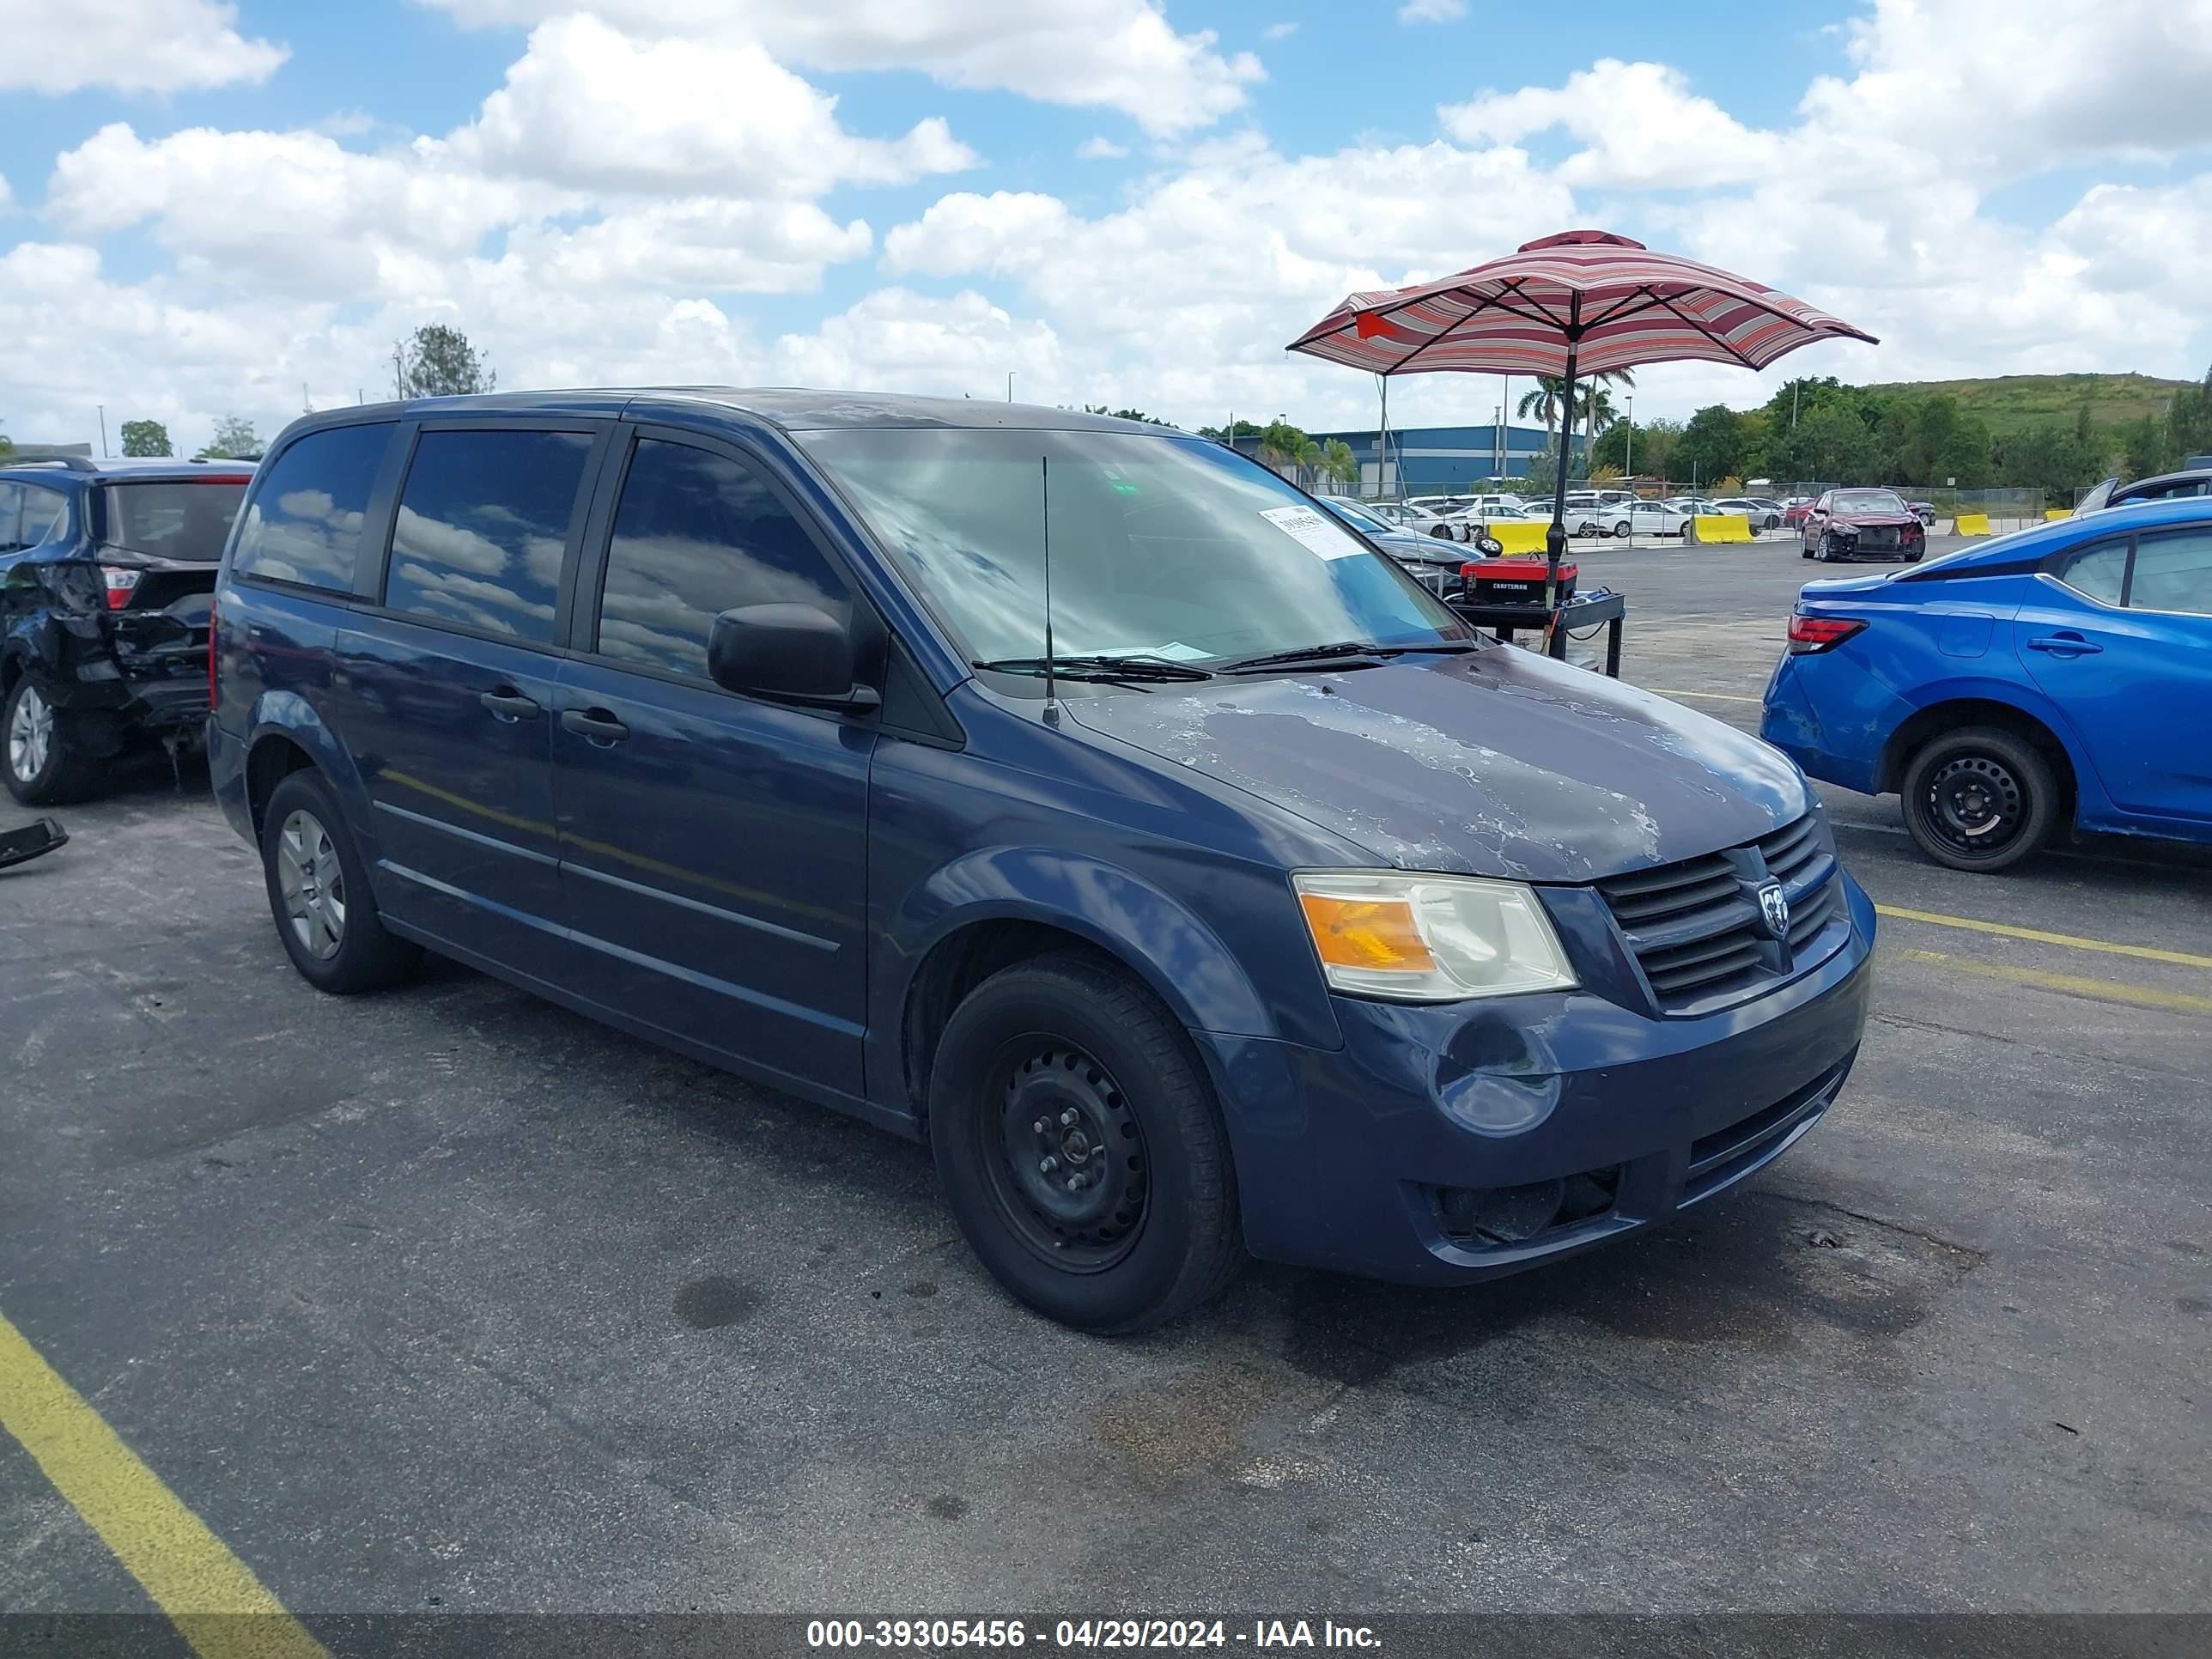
column 207, row 204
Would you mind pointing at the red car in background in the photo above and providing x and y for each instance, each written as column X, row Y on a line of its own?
column 1863, row 524
column 1794, row 511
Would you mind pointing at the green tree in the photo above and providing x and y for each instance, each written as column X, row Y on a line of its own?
column 2051, row 458
column 439, row 363
column 234, row 439
column 1283, row 446
column 2147, row 447
column 146, row 438
column 1134, row 415
column 1337, row 462
column 2189, row 420
column 1595, row 398
column 1242, row 430
column 1544, row 404
column 1712, row 443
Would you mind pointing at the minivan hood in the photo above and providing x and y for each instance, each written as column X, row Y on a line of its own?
column 1497, row 762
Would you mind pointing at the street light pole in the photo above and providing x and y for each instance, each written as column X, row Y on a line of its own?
column 1010, row 385
column 1628, row 443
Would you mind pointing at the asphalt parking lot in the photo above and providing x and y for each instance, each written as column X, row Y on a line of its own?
column 445, row 1299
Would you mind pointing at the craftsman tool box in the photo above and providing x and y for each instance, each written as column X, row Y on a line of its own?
column 1512, row 581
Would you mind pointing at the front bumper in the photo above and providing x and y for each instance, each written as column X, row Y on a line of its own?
column 1349, row 1158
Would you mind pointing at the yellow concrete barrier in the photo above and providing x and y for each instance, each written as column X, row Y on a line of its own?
column 1520, row 535
column 1723, row 527
column 1971, row 523
column 2053, row 514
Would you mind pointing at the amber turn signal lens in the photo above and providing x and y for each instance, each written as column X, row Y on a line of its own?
column 1366, row 934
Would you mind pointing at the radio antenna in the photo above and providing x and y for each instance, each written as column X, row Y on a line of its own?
column 1044, row 502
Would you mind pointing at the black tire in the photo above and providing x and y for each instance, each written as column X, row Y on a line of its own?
column 1076, row 1044
column 1804, row 547
column 1620, row 529
column 1979, row 799
column 45, row 766
column 362, row 956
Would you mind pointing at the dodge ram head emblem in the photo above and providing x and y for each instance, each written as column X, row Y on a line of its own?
column 1774, row 905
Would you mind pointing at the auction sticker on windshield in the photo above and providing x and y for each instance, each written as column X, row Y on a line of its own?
column 1303, row 525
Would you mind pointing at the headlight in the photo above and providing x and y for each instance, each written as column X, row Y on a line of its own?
column 1430, row 938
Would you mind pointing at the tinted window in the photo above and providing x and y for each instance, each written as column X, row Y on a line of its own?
column 44, row 511
column 483, row 521
column 2174, row 573
column 11, row 517
column 697, row 534
column 304, row 524
column 186, row 519
column 2100, row 572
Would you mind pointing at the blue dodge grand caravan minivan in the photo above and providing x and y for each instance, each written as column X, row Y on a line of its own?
column 1067, row 792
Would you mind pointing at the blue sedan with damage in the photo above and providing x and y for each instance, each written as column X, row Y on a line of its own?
column 1075, row 796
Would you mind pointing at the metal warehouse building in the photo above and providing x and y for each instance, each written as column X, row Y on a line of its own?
column 1435, row 460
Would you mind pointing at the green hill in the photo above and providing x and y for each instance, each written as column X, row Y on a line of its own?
column 2010, row 402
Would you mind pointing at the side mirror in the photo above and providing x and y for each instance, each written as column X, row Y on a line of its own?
column 797, row 654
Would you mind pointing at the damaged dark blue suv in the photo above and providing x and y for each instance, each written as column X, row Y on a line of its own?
column 1068, row 793
column 105, row 572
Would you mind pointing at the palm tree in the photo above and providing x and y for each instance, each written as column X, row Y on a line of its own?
column 1597, row 404
column 1544, row 402
column 1337, row 462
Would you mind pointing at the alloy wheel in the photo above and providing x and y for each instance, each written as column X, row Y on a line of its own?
column 30, row 735
column 313, row 882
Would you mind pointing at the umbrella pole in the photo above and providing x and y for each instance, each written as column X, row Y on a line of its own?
column 1555, row 538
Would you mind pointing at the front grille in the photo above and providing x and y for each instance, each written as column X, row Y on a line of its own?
column 1719, row 1157
column 1695, row 927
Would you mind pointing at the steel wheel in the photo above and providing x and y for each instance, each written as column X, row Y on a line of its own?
column 1975, row 805
column 1069, row 1175
column 313, row 882
column 30, row 735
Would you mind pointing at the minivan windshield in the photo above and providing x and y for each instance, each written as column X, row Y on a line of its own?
column 1166, row 548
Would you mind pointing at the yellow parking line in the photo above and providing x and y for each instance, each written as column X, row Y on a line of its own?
column 2071, row 941
column 1710, row 696
column 2098, row 990
column 212, row 1597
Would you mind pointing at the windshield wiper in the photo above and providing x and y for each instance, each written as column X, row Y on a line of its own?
column 1304, row 653
column 1099, row 668
column 1340, row 654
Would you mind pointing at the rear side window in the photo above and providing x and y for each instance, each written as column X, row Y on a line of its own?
column 2173, row 573
column 186, row 519
column 2098, row 572
column 304, row 525
column 44, row 513
column 697, row 534
column 483, row 523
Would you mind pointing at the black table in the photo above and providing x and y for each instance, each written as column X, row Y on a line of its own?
column 1584, row 610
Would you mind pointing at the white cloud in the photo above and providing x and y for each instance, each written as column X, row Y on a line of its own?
column 1431, row 11
column 588, row 107
column 1279, row 31
column 7, row 196
column 897, row 341
column 1100, row 149
column 326, row 222
column 1640, row 122
column 1116, row 54
column 129, row 46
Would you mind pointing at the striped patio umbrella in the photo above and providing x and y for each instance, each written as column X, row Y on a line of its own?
column 1581, row 302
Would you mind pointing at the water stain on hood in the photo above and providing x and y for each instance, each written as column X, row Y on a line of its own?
column 1498, row 762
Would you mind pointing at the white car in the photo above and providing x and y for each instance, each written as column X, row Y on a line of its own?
column 1658, row 519
column 1764, row 515
column 1596, row 518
